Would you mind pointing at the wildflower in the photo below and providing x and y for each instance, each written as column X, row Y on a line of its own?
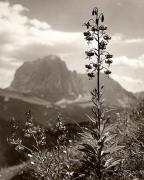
column 87, row 25
column 70, row 141
column 102, row 45
column 109, row 61
column 29, row 155
column 89, row 53
column 107, row 72
column 95, row 65
column 32, row 162
column 102, row 18
column 64, row 152
column 91, row 75
column 17, row 141
column 30, row 124
column 88, row 66
column 95, row 11
column 19, row 148
column 106, row 37
column 87, row 33
column 102, row 28
column 93, row 29
column 89, row 38
column 108, row 56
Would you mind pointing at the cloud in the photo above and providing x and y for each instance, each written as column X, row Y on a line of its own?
column 132, row 63
column 6, row 76
column 129, row 83
column 22, row 30
column 7, row 69
column 39, row 25
column 129, row 72
column 23, row 38
column 122, row 45
column 121, row 39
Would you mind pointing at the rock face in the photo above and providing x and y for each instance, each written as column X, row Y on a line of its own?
column 49, row 78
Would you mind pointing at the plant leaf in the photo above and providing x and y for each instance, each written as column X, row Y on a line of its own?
column 102, row 18
column 113, row 149
column 115, row 163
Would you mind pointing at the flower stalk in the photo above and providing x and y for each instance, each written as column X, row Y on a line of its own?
column 99, row 60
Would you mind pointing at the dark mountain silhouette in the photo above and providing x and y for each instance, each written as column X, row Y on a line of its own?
column 50, row 79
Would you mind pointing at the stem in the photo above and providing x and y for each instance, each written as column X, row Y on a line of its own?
column 98, row 84
column 98, row 99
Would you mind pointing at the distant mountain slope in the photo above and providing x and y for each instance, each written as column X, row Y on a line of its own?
column 114, row 94
column 139, row 95
column 50, row 79
column 15, row 105
column 9, row 94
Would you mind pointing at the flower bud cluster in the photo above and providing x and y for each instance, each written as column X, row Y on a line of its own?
column 34, row 131
column 96, row 32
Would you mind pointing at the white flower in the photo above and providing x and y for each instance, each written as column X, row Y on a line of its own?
column 29, row 155
column 32, row 162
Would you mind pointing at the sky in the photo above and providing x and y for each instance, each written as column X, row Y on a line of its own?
column 32, row 29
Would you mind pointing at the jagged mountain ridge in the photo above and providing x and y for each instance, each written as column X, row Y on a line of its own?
column 49, row 78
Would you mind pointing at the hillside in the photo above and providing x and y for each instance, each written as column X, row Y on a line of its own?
column 139, row 95
column 15, row 105
column 47, row 87
column 50, row 79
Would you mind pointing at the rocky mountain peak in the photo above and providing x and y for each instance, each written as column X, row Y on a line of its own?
column 50, row 79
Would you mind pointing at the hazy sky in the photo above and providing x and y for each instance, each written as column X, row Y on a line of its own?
column 30, row 29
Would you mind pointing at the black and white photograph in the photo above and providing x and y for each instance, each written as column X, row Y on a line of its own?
column 71, row 89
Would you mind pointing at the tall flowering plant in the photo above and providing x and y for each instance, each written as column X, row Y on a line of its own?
column 99, row 144
column 41, row 162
